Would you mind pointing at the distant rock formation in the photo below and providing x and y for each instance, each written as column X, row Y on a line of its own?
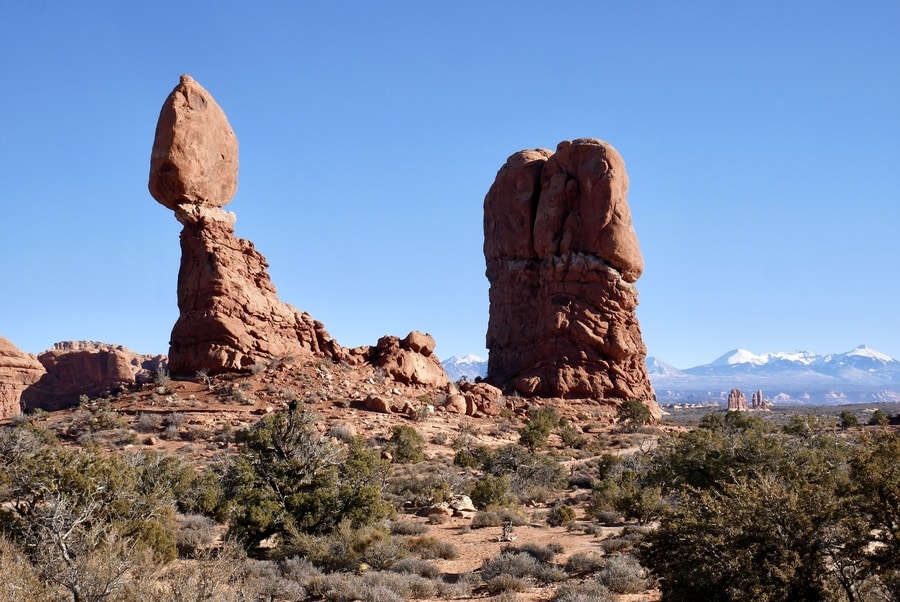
column 758, row 403
column 562, row 257
column 18, row 371
column 736, row 401
column 230, row 315
column 76, row 368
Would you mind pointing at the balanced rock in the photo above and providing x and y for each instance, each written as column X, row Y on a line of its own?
column 195, row 152
column 76, row 368
column 18, row 371
column 230, row 317
column 562, row 258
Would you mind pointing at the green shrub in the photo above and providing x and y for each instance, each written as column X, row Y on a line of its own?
column 288, row 480
column 407, row 446
column 491, row 490
column 537, row 430
column 560, row 514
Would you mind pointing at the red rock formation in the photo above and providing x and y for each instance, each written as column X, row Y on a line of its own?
column 18, row 371
column 76, row 368
column 758, row 402
column 230, row 315
column 562, row 257
column 736, row 401
column 410, row 361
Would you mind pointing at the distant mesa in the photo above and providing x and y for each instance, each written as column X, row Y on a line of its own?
column 76, row 368
column 562, row 258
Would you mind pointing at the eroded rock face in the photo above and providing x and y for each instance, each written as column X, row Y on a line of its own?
column 562, row 257
column 76, row 368
column 230, row 317
column 18, row 371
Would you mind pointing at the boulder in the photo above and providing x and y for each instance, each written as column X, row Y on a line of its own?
column 562, row 258
column 18, row 371
column 195, row 152
column 410, row 361
column 481, row 398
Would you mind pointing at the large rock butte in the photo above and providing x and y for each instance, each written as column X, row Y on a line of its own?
column 18, row 371
column 230, row 317
column 76, row 368
column 562, row 258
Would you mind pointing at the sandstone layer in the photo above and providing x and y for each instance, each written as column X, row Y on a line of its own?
column 18, row 371
column 562, row 258
column 76, row 368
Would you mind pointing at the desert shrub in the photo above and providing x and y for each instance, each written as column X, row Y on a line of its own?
column 148, row 423
column 497, row 518
column 416, row 566
column 343, row 432
column 20, row 580
column 570, row 436
column 343, row 549
column 406, row 445
column 633, row 414
column 492, row 490
column 560, row 514
column 423, row 485
column 195, row 532
column 623, row 574
column 613, row 545
column 589, row 591
column 407, row 527
column 428, row 547
column 878, row 418
column 438, row 519
column 584, row 563
column 848, row 419
column 288, row 480
column 536, row 432
column 520, row 564
column 473, row 457
column 505, row 583
column 540, row 552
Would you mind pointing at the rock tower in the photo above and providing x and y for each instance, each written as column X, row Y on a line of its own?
column 230, row 317
column 562, row 258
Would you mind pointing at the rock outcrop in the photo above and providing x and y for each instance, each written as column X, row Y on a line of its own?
column 736, row 401
column 230, row 317
column 18, row 371
column 562, row 258
column 76, row 368
column 410, row 361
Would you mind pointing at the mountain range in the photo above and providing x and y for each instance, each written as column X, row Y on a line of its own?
column 861, row 375
column 789, row 378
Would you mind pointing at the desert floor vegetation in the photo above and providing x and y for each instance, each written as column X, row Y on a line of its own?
column 195, row 497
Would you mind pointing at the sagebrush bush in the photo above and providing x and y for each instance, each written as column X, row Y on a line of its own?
column 584, row 563
column 560, row 514
column 588, row 591
column 623, row 574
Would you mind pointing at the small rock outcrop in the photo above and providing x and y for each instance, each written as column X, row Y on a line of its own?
column 562, row 258
column 230, row 317
column 410, row 361
column 76, row 368
column 18, row 371
column 736, row 401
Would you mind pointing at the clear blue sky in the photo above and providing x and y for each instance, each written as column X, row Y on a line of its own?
column 761, row 140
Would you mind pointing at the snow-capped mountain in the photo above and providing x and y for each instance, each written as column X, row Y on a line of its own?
column 468, row 367
column 861, row 374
